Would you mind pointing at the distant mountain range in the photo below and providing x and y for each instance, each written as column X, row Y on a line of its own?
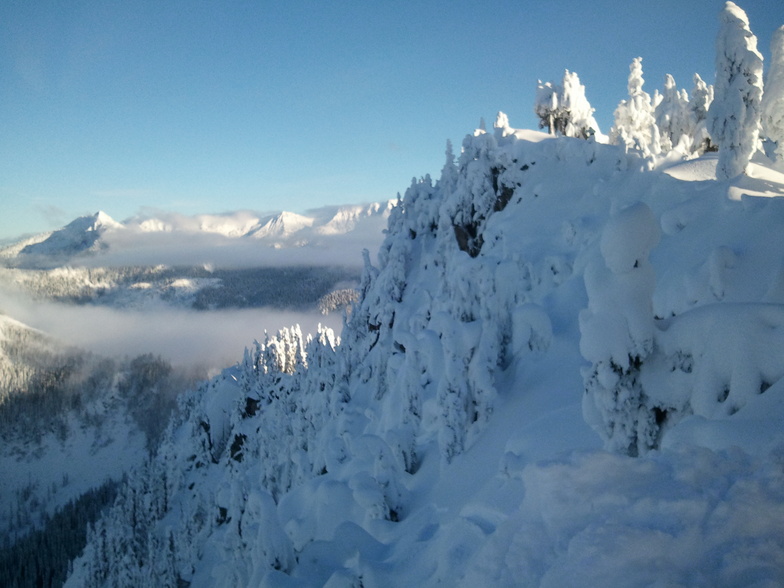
column 95, row 234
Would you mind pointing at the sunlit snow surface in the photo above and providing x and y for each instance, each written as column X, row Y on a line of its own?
column 593, row 259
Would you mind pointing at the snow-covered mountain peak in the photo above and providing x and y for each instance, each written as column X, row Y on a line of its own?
column 282, row 225
column 79, row 236
column 346, row 218
column 230, row 224
column 103, row 220
column 98, row 222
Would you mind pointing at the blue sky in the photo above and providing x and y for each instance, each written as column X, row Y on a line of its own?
column 200, row 106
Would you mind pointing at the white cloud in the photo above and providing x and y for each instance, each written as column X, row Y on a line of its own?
column 212, row 339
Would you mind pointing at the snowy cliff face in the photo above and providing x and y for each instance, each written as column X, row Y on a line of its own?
column 539, row 284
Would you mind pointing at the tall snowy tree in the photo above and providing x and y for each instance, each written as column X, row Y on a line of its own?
column 580, row 122
column 546, row 105
column 773, row 98
column 734, row 116
column 701, row 99
column 671, row 115
column 564, row 109
column 635, row 126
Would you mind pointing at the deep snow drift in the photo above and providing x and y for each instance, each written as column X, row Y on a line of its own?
column 545, row 311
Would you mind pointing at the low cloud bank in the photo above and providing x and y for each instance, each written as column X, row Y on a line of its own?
column 211, row 339
column 175, row 249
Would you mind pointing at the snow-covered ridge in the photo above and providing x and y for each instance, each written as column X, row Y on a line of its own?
column 276, row 228
column 538, row 287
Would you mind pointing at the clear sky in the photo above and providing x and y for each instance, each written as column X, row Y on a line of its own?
column 209, row 106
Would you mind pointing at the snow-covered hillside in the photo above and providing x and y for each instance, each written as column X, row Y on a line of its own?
column 72, row 425
column 564, row 370
column 70, row 421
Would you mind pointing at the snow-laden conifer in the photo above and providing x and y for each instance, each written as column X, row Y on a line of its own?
column 546, row 105
column 734, row 115
column 671, row 115
column 564, row 109
column 580, row 121
column 773, row 97
column 699, row 104
column 635, row 125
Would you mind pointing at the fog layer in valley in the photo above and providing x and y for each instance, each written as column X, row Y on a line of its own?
column 212, row 339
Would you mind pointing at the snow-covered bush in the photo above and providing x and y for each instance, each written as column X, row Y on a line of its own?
column 734, row 115
column 617, row 332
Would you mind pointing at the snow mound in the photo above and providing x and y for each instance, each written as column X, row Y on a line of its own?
column 696, row 170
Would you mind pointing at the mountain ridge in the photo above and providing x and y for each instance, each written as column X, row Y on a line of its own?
column 540, row 300
column 97, row 236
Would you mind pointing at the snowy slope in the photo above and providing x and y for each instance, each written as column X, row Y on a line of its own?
column 64, row 431
column 545, row 311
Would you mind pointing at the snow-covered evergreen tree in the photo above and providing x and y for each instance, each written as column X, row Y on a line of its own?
column 671, row 115
column 773, row 97
column 563, row 108
column 734, row 115
column 699, row 104
column 635, row 125
column 546, row 105
column 580, row 121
